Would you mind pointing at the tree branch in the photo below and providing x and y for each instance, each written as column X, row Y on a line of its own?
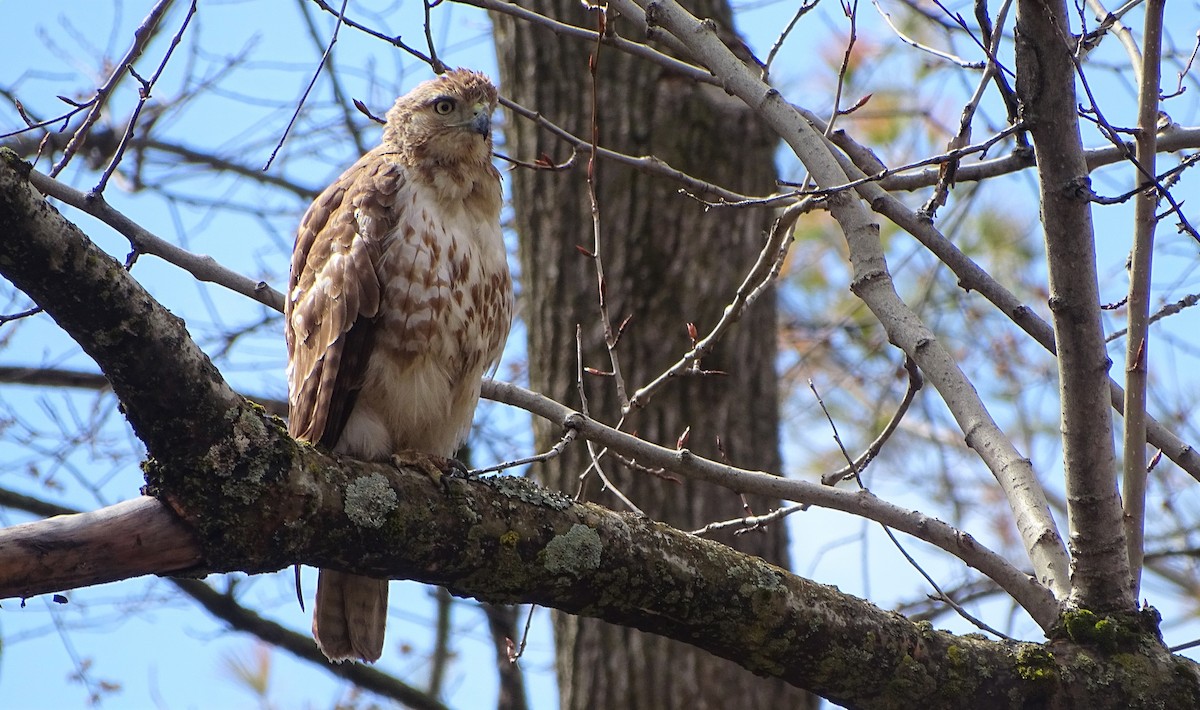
column 115, row 321
column 971, row 277
column 1141, row 258
column 204, row 268
column 532, row 545
column 222, row 606
column 1046, row 90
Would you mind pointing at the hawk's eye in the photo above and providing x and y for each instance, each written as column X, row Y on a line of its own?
column 443, row 106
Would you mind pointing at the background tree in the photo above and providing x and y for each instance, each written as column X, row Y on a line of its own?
column 979, row 355
column 665, row 264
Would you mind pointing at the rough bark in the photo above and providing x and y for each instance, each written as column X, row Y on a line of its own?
column 532, row 545
column 667, row 262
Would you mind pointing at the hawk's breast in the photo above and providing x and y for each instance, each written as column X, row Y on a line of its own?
column 445, row 311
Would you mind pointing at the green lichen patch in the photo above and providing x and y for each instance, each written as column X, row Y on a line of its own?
column 1036, row 664
column 369, row 500
column 576, row 552
column 527, row 491
column 1112, row 632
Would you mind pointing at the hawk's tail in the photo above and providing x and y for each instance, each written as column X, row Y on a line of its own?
column 349, row 616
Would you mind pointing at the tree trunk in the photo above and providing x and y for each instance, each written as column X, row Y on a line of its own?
column 667, row 261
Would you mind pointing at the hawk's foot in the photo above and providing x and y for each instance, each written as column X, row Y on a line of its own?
column 439, row 468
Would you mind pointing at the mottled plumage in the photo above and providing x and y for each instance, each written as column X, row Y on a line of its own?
column 399, row 301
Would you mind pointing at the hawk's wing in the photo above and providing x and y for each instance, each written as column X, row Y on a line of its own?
column 334, row 294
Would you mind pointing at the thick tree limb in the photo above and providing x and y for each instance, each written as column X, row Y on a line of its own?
column 129, row 539
column 114, row 320
column 507, row 540
column 223, row 606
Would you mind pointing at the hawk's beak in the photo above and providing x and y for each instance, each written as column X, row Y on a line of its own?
column 482, row 123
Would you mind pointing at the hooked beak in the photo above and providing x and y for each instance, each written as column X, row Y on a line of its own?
column 482, row 123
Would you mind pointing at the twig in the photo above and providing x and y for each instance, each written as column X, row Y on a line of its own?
column 593, row 454
column 515, row 655
column 1111, row 21
column 335, row 82
column 436, row 64
column 610, row 335
column 609, row 37
column 394, row 41
column 751, row 522
column 440, row 657
column 850, row 10
column 948, row 170
column 311, row 83
column 6, row 318
column 1187, row 67
column 1168, row 310
column 551, row 453
column 855, row 469
column 915, row 381
column 141, row 37
column 881, row 174
column 965, row 64
column 1110, row 132
column 801, row 11
column 143, row 96
column 941, row 595
column 649, row 165
column 760, row 276
column 204, row 268
column 543, row 162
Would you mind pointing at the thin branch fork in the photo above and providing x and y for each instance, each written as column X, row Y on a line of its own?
column 1036, row 599
column 761, row 275
column 204, row 268
column 855, row 160
column 141, row 37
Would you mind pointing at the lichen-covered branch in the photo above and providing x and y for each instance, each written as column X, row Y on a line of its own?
column 159, row 419
column 507, row 540
column 177, row 404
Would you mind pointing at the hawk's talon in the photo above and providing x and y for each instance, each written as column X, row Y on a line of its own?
column 439, row 469
column 457, row 469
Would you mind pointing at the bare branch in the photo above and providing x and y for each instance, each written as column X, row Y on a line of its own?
column 141, row 37
column 972, row 277
column 1133, row 440
column 204, row 268
column 312, row 82
column 1035, row 598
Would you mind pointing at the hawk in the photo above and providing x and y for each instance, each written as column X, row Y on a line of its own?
column 399, row 302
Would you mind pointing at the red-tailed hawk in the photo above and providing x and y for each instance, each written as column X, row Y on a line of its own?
column 399, row 301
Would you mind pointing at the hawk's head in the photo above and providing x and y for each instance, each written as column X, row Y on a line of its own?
column 444, row 121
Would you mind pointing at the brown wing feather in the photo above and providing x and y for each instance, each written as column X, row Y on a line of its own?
column 334, row 293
